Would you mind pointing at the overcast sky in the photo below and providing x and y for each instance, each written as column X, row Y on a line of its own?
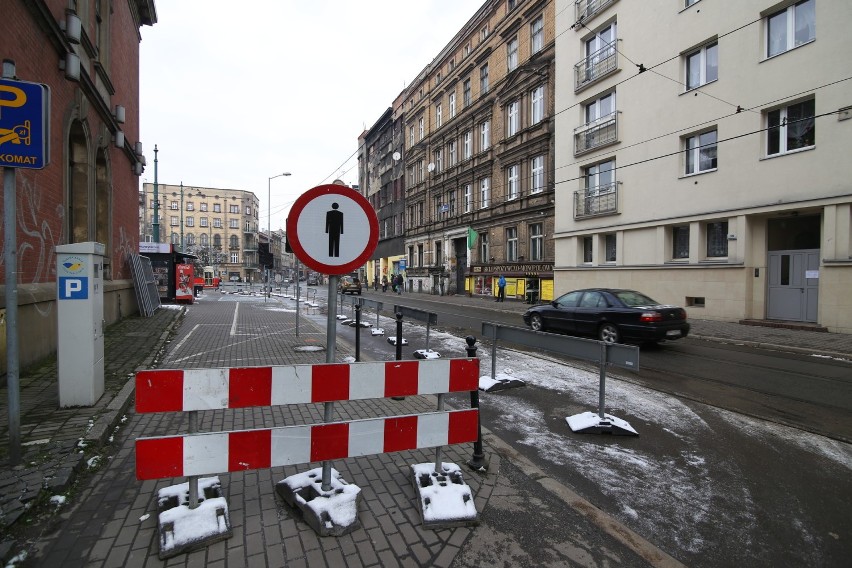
column 234, row 93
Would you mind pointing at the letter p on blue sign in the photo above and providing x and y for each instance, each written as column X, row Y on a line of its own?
column 76, row 288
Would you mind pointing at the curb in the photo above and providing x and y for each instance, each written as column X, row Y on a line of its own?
column 771, row 346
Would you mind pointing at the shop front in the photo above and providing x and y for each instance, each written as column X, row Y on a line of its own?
column 527, row 282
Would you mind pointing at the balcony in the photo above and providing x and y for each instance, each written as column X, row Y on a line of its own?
column 597, row 134
column 586, row 9
column 596, row 201
column 596, row 66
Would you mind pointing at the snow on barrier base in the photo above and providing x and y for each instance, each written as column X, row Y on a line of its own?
column 182, row 529
column 591, row 423
column 446, row 501
column 329, row 513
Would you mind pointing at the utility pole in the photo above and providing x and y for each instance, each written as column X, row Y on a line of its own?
column 156, row 223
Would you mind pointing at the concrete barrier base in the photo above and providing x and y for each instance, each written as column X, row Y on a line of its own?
column 182, row 529
column 446, row 501
column 329, row 513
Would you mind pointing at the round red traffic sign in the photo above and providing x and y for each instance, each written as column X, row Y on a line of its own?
column 332, row 229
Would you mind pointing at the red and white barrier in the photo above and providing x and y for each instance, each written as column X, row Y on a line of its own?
column 215, row 389
column 203, row 454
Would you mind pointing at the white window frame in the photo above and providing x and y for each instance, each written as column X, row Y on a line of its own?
column 697, row 147
column 790, row 42
column 189, row 221
column 512, row 54
column 512, row 244
column 421, row 128
column 537, row 35
column 484, row 135
column 439, row 115
column 451, row 154
column 513, row 118
column 484, row 192
column 235, row 258
column 203, row 222
column 537, row 105
column 782, row 129
column 483, row 79
column 513, row 182
column 468, row 198
column 217, row 223
column 699, row 57
column 536, row 233
column 537, row 174
column 467, row 145
column 452, row 103
column 439, row 160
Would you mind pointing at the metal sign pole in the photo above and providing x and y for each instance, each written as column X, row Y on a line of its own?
column 10, row 257
column 297, row 297
column 603, row 380
column 330, row 340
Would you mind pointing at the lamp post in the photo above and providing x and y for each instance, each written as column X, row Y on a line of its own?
column 269, row 226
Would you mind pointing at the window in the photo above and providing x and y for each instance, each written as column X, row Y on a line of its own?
column 174, row 205
column 717, row 239
column 420, row 171
column 536, row 242
column 174, row 222
column 600, row 178
column 217, row 208
column 420, row 129
column 204, row 239
column 512, row 182
column 467, row 145
column 175, row 238
column 451, row 199
column 484, row 249
column 190, row 206
column 438, row 258
column 791, row 27
column 484, row 135
column 439, row 118
column 420, row 260
column 512, row 244
column 512, row 53
column 411, row 136
column 217, row 223
column 701, row 153
column 537, row 35
column 680, row 241
column 204, row 207
column 235, row 258
column 513, row 121
column 468, row 199
column 234, row 223
column 601, row 46
column 439, row 160
column 791, row 128
column 537, row 174
column 452, row 103
column 483, row 33
column 537, row 104
column 190, row 221
column 190, row 240
column 689, row 3
column 466, row 93
column 510, row 5
column 152, row 204
column 451, row 151
column 483, row 79
column 587, row 250
column 421, row 218
column 602, row 107
column 203, row 222
column 451, row 65
column 609, row 244
column 438, row 78
column 248, row 210
column 466, row 50
column 702, row 66
column 484, row 192
column 234, row 209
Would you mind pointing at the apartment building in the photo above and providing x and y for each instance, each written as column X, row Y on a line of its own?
column 87, row 55
column 478, row 157
column 703, row 155
column 219, row 226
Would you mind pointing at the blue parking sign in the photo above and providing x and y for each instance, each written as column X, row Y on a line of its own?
column 73, row 288
column 24, row 124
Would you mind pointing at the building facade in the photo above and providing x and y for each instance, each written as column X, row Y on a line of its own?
column 479, row 155
column 219, row 226
column 87, row 53
column 710, row 169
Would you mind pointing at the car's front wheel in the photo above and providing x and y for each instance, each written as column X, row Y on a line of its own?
column 608, row 333
column 537, row 322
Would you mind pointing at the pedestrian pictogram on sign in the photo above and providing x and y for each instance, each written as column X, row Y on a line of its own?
column 24, row 124
column 332, row 229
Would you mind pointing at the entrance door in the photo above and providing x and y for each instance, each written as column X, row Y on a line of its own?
column 792, row 295
column 460, row 246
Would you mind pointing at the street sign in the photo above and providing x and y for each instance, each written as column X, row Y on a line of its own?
column 332, row 229
column 24, row 124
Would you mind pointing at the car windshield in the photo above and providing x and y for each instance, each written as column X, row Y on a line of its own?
column 632, row 298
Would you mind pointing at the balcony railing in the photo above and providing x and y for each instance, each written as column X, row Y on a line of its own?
column 596, row 134
column 585, row 9
column 596, row 201
column 596, row 66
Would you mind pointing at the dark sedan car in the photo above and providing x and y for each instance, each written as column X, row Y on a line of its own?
column 610, row 315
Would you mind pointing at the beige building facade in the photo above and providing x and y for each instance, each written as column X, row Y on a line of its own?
column 478, row 157
column 219, row 226
column 703, row 155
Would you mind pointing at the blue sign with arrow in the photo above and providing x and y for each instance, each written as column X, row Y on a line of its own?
column 24, row 124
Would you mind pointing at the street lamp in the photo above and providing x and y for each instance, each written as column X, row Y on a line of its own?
column 269, row 226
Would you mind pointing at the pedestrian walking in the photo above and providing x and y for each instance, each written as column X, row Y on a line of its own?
column 384, row 283
column 400, row 282
column 501, row 289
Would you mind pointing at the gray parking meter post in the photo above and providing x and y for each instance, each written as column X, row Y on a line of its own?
column 399, row 336
column 357, row 332
column 477, row 462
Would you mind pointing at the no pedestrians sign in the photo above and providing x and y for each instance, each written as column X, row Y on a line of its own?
column 332, row 229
